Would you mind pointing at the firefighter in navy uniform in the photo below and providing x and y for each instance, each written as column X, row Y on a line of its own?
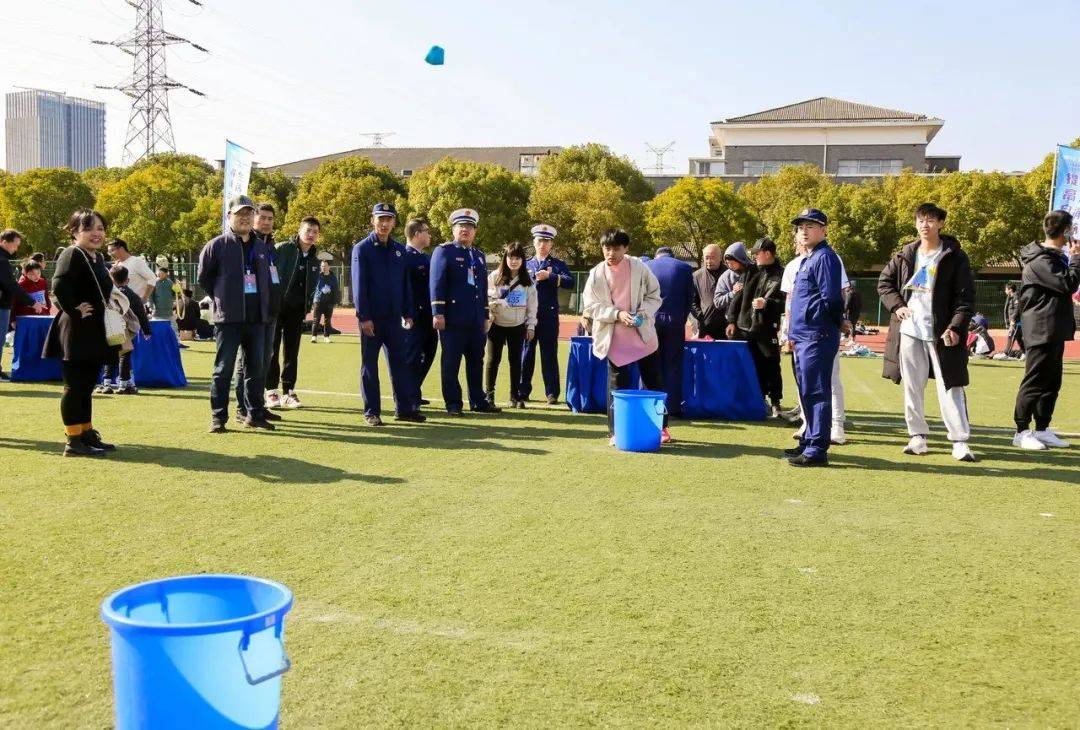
column 549, row 274
column 460, row 313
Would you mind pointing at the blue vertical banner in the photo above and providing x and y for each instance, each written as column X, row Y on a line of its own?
column 237, row 176
column 1065, row 195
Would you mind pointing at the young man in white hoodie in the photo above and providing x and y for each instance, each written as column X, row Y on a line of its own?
column 621, row 299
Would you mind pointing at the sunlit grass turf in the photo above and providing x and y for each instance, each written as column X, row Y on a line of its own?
column 516, row 570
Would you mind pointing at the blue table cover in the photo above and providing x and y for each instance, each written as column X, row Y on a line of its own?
column 27, row 364
column 155, row 363
column 719, row 381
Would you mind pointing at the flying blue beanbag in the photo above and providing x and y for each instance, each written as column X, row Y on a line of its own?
column 435, row 56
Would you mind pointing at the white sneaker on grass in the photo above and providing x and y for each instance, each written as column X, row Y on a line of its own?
column 273, row 400
column 314, row 338
column 1026, row 440
column 916, row 446
column 326, row 339
column 1050, row 438
column 837, row 437
column 961, row 451
column 291, row 401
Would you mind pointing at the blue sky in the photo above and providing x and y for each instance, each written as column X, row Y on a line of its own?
column 291, row 79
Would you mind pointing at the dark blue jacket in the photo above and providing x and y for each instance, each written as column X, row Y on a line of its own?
column 380, row 280
column 676, row 288
column 221, row 275
column 418, row 264
column 463, row 304
column 547, row 291
column 817, row 306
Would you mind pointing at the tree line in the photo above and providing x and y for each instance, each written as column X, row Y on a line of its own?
column 171, row 204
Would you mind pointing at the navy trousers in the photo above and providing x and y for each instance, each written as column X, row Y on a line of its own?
column 241, row 368
column 229, row 338
column 813, row 367
column 547, row 341
column 390, row 336
column 422, row 342
column 672, row 339
column 459, row 342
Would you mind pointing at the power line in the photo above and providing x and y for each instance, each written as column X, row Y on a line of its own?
column 377, row 137
column 149, row 124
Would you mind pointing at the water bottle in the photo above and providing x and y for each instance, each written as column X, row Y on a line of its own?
column 639, row 319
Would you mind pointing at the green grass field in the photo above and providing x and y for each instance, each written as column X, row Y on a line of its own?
column 515, row 570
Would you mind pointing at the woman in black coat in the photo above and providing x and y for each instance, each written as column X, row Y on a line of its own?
column 77, row 334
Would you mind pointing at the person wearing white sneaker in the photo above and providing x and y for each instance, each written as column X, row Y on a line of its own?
column 929, row 289
column 1026, row 440
column 291, row 401
column 1046, row 318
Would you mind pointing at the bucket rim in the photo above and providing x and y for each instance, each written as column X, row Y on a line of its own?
column 635, row 393
column 260, row 619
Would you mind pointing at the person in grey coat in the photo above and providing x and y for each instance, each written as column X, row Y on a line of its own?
column 730, row 282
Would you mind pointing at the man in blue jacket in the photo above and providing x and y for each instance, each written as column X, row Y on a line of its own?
column 459, row 307
column 549, row 274
column 817, row 312
column 234, row 269
column 423, row 339
column 384, row 305
column 677, row 292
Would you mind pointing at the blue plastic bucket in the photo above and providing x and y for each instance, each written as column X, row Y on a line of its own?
column 201, row 651
column 639, row 416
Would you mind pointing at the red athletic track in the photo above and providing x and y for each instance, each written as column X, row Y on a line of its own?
column 345, row 320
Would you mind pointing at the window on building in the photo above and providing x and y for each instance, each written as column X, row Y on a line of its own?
column 869, row 167
column 406, row 173
column 766, row 167
column 708, row 168
column 530, row 164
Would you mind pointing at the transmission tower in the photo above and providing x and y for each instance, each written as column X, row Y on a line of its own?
column 377, row 137
column 149, row 125
column 660, row 167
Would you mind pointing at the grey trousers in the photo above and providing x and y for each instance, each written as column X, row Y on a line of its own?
column 916, row 358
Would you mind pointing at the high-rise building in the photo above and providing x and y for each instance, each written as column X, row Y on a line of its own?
column 50, row 129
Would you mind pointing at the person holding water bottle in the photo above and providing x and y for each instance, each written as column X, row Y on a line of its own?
column 512, row 299
column 621, row 298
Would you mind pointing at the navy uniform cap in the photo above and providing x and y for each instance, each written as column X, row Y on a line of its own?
column 381, row 210
column 810, row 214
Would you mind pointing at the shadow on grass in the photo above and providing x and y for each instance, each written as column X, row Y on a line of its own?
column 269, row 469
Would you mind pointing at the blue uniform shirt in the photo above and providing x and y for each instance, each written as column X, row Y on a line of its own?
column 547, row 292
column 817, row 307
column 380, row 280
column 461, row 298
column 418, row 265
column 676, row 287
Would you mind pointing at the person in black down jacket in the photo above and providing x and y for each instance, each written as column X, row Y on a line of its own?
column 1046, row 318
column 81, row 286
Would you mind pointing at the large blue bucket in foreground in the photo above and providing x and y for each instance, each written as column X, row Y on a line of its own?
column 639, row 416
column 198, row 651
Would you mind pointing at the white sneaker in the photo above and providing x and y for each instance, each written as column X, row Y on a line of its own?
column 273, row 400
column 1050, row 438
column 961, row 452
column 291, row 401
column 916, row 446
column 1026, row 440
column 326, row 340
column 837, row 437
column 314, row 338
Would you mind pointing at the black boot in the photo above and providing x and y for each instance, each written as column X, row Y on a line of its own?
column 77, row 447
column 93, row 439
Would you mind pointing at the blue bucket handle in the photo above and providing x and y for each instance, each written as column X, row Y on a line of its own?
column 245, row 641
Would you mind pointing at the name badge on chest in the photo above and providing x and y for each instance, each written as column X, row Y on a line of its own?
column 274, row 275
column 249, row 284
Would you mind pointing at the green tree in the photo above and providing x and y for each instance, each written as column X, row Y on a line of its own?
column 592, row 162
column 98, row 177
column 862, row 227
column 695, row 212
column 144, row 205
column 39, row 202
column 776, row 199
column 581, row 212
column 275, row 188
column 498, row 195
column 341, row 193
column 200, row 224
